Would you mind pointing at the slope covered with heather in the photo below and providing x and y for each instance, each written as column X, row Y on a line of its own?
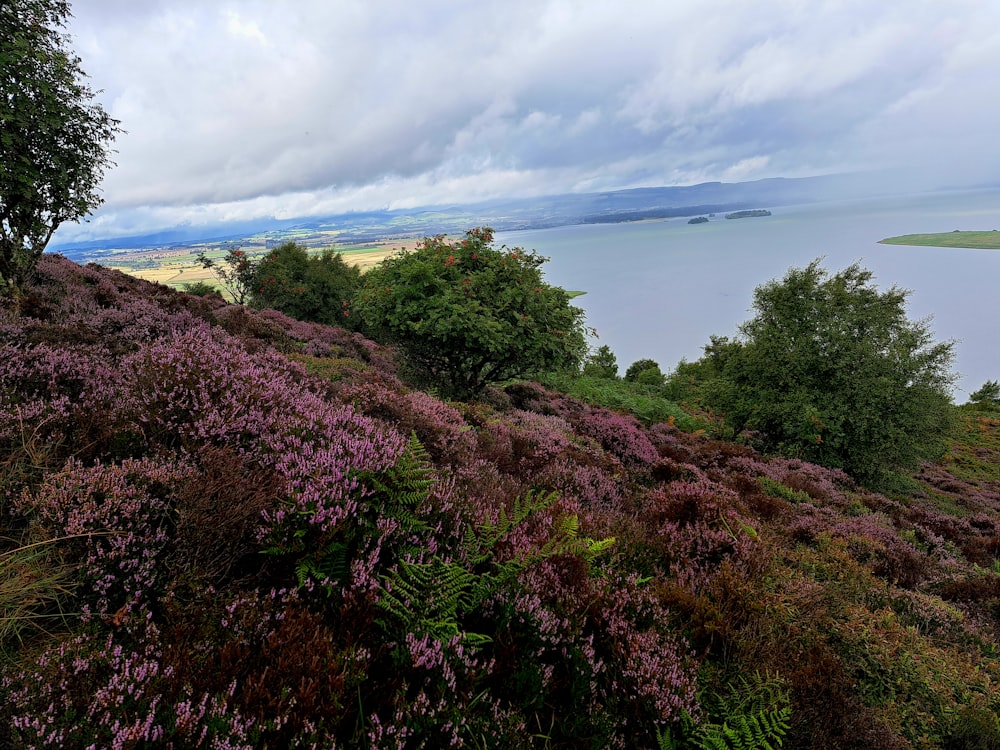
column 226, row 528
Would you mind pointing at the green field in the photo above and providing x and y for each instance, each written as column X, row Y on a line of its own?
column 979, row 240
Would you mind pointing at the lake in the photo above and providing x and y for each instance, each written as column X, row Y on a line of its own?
column 659, row 289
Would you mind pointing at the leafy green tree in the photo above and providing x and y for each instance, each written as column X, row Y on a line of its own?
column 236, row 271
column 644, row 372
column 54, row 141
column 469, row 314
column 831, row 370
column 314, row 288
column 601, row 363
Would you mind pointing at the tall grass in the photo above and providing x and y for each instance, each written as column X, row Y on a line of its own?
column 35, row 586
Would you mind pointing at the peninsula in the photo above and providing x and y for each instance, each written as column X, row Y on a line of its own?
column 989, row 240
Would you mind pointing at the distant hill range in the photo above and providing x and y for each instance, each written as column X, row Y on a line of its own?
column 506, row 215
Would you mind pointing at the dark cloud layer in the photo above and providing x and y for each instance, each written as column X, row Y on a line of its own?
column 278, row 108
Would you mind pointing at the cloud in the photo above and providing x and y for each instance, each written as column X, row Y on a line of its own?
column 244, row 106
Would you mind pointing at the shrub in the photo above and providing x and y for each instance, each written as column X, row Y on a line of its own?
column 468, row 314
column 314, row 288
column 832, row 371
column 644, row 371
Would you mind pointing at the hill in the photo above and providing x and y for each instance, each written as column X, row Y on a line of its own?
column 227, row 528
column 359, row 228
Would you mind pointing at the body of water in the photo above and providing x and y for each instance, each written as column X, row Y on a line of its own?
column 659, row 289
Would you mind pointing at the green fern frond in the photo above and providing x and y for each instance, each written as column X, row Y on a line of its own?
column 490, row 533
column 430, row 597
column 755, row 715
column 402, row 489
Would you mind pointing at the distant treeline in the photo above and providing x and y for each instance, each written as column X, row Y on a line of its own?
column 670, row 212
column 747, row 214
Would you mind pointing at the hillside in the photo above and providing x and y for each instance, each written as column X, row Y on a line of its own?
column 227, row 528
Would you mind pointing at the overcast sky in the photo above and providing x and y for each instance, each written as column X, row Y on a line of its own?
column 239, row 109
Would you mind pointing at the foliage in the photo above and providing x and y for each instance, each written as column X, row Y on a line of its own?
column 601, row 364
column 644, row 402
column 529, row 571
column 644, row 371
column 54, row 140
column 988, row 396
column 313, row 288
column 236, row 272
column 831, row 370
column 755, row 714
column 200, row 288
column 469, row 314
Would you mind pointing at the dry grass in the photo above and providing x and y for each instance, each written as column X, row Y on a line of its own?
column 35, row 585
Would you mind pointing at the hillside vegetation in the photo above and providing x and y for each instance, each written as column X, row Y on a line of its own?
column 227, row 528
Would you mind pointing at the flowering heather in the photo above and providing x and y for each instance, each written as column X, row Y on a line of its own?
column 118, row 519
column 274, row 542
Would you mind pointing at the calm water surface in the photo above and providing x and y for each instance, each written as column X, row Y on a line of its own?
column 659, row 289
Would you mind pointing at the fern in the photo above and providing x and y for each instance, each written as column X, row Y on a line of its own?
column 401, row 490
column 755, row 716
column 480, row 542
column 430, row 597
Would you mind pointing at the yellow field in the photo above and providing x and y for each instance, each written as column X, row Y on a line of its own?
column 178, row 267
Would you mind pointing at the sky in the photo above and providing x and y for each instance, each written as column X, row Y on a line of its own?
column 249, row 109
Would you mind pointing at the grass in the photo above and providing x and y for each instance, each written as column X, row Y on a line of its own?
column 33, row 589
column 643, row 402
column 975, row 454
column 977, row 240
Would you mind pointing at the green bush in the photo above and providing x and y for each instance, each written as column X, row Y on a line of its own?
column 316, row 288
column 601, row 363
column 468, row 314
column 830, row 370
column 644, row 371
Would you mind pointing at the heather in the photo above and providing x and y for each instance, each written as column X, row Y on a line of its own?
column 223, row 527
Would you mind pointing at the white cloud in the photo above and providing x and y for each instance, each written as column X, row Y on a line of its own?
column 268, row 107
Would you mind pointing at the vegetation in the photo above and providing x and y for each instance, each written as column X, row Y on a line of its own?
column 601, row 363
column 988, row 396
column 645, row 371
column 468, row 314
column 54, row 141
column 831, row 370
column 236, row 272
column 978, row 240
column 225, row 527
column 316, row 288
column 748, row 214
column 698, row 220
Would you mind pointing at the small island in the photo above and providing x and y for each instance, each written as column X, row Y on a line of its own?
column 989, row 240
column 748, row 214
column 698, row 220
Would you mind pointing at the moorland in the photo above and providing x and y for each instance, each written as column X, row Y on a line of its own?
column 224, row 527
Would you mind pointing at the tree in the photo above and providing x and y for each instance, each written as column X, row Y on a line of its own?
column 645, row 372
column 469, row 314
column 237, row 272
column 314, row 288
column 832, row 371
column 988, row 396
column 601, row 363
column 54, row 141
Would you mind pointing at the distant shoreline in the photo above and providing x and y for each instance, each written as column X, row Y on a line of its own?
column 971, row 240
